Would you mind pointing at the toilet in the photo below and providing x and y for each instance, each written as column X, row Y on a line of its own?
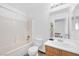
column 33, row 51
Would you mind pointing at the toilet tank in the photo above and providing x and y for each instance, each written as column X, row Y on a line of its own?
column 38, row 42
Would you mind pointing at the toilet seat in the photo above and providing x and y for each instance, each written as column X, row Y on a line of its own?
column 33, row 50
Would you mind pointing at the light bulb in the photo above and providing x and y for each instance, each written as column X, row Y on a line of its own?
column 77, row 26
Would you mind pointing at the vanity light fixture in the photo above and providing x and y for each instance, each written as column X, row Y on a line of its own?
column 77, row 23
column 77, row 26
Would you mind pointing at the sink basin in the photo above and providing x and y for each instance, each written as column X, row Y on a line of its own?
column 64, row 42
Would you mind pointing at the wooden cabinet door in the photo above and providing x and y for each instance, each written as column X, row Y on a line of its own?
column 65, row 53
column 50, row 51
column 56, row 52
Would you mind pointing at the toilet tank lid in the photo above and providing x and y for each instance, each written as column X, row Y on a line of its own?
column 38, row 39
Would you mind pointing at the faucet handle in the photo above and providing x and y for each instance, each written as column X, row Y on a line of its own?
column 28, row 37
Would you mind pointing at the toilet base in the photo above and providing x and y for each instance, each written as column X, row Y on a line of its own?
column 34, row 55
column 33, row 51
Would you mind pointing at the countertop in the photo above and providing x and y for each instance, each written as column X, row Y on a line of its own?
column 66, row 44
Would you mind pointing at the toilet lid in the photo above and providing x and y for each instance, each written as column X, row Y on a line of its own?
column 33, row 49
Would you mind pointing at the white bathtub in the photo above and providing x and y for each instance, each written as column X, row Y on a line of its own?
column 15, row 50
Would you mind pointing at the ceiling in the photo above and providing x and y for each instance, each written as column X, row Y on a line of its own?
column 30, row 8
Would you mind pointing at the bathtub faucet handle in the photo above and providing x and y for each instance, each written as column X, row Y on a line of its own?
column 28, row 37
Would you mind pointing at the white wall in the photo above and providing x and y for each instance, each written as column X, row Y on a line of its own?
column 39, row 13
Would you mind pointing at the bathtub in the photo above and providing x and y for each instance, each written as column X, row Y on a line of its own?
column 15, row 50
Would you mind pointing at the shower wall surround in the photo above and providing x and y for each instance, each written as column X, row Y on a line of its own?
column 13, row 27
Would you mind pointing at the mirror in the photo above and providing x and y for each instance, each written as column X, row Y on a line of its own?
column 61, row 23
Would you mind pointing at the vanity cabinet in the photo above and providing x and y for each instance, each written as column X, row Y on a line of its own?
column 51, row 51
